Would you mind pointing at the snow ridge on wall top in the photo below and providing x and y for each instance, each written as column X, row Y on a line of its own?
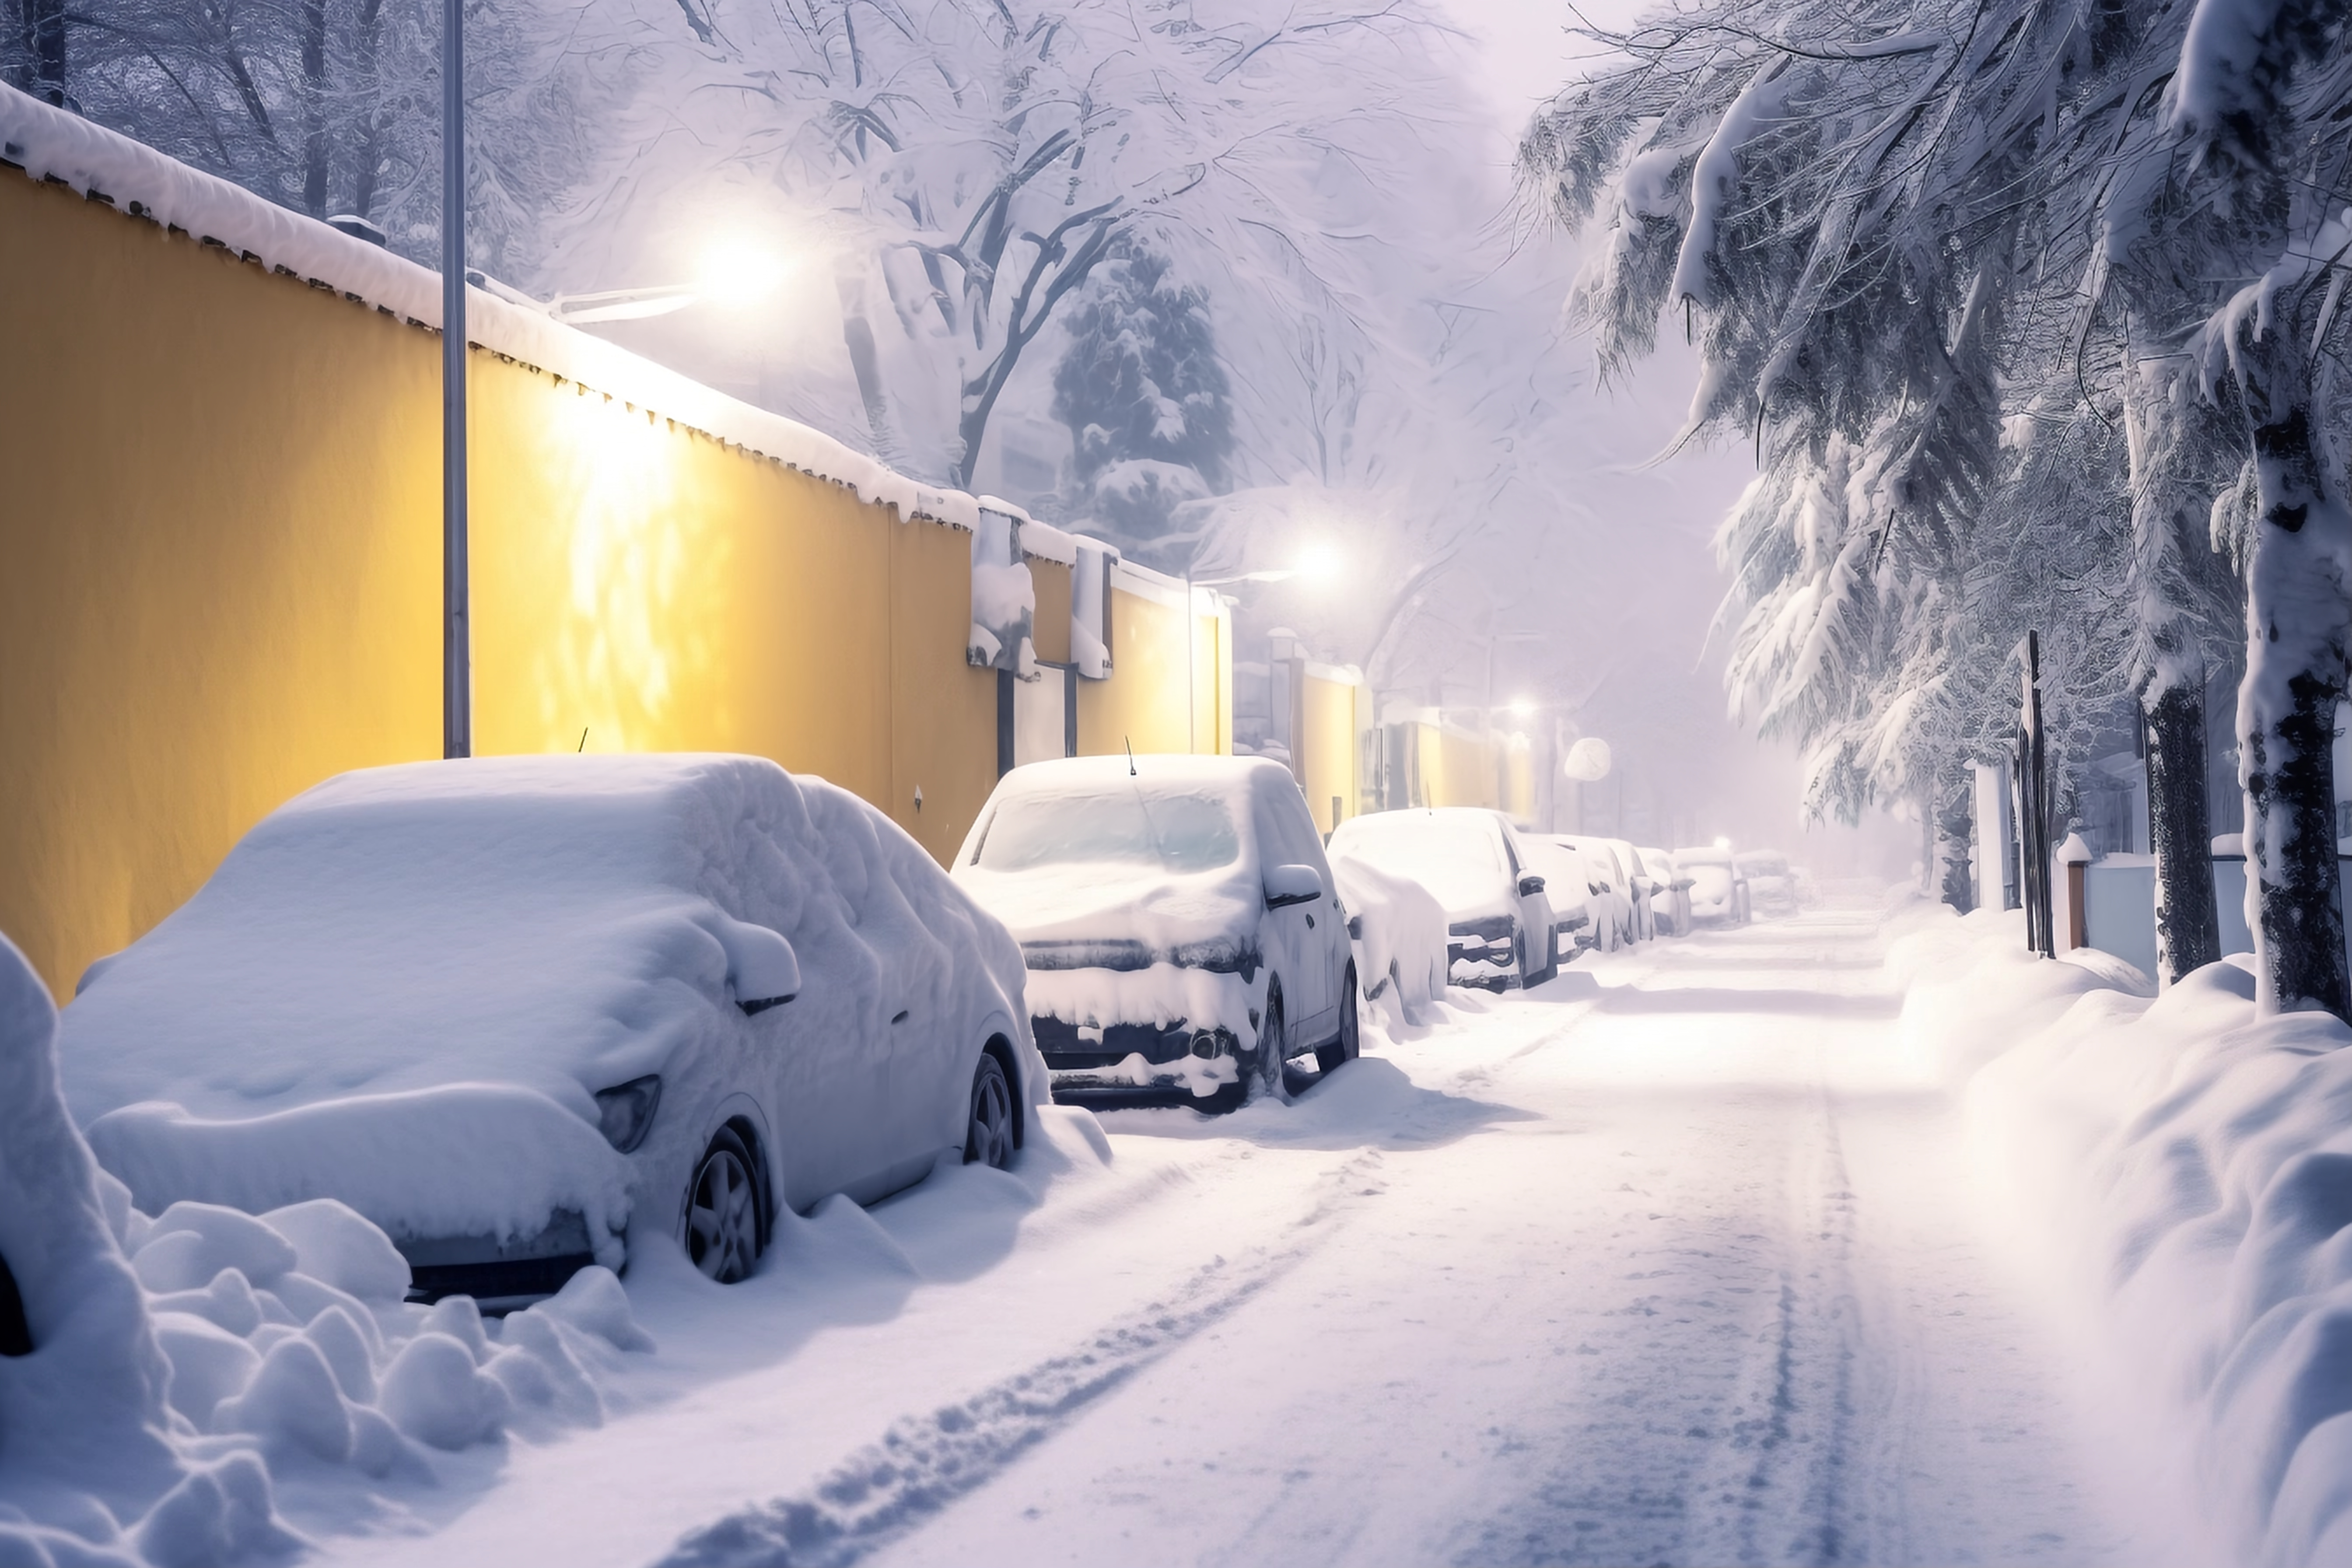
column 52, row 144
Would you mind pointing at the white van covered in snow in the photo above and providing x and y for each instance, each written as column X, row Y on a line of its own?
column 1183, row 934
column 521, row 1012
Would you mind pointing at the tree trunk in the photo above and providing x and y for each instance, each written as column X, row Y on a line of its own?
column 314, row 107
column 2298, row 627
column 1956, row 883
column 2188, row 920
column 45, row 41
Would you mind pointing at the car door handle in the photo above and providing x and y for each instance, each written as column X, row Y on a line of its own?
column 900, row 1017
column 1310, row 922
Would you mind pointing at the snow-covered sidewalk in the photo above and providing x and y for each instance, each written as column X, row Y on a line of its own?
column 1676, row 1258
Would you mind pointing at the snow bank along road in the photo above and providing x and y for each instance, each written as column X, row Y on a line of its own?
column 1669, row 1260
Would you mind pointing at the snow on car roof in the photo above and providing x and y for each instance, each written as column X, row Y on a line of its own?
column 1454, row 851
column 521, row 920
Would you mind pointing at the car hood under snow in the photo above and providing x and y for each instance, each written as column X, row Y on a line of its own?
column 1124, row 916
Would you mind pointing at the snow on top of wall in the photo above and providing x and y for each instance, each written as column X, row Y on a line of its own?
column 50, row 144
column 1046, row 542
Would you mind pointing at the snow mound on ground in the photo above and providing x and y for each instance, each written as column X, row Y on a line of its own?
column 179, row 1361
column 1400, row 948
column 2200, row 1158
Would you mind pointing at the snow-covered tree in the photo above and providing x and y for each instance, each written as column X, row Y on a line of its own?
column 1143, row 393
column 1790, row 162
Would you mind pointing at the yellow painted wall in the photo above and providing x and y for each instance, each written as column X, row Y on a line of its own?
column 220, row 579
column 1052, row 634
column 210, row 597
column 1456, row 768
column 1327, row 750
column 1143, row 702
column 1518, row 780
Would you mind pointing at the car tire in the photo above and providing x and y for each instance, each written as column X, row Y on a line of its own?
column 724, row 1237
column 1273, row 1047
column 1340, row 1052
column 988, row 1120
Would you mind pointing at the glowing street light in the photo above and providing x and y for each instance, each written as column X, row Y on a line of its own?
column 735, row 273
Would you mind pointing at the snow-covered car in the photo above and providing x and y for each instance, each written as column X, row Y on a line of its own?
column 1771, row 887
column 1637, row 885
column 1610, row 900
column 527, row 1013
column 1399, row 930
column 1182, row 931
column 1499, row 923
column 1573, row 895
column 1671, row 901
column 1717, row 891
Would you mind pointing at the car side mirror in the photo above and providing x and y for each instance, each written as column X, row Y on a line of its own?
column 762, row 968
column 1292, row 885
column 1530, row 884
column 1355, row 928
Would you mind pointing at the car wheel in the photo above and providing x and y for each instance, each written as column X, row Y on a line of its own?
column 1330, row 1058
column 988, row 1131
column 1273, row 1046
column 722, row 1211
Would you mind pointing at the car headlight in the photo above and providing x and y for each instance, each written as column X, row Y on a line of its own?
column 625, row 1114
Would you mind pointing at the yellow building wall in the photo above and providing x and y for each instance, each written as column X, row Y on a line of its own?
column 1456, row 768
column 1518, row 780
column 1143, row 704
column 1052, row 634
column 220, row 579
column 1328, row 753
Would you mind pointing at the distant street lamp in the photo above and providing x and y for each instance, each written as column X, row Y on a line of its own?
column 1319, row 562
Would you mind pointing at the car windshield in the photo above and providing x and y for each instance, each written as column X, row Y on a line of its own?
column 1176, row 832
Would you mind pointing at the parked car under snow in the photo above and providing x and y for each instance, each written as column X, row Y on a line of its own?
column 1573, row 895
column 1183, row 934
column 521, row 1012
column 1500, row 924
column 1718, row 891
column 1671, row 901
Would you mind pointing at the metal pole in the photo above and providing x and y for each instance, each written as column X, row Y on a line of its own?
column 456, row 659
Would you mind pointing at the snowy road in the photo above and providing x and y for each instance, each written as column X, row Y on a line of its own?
column 1670, row 1261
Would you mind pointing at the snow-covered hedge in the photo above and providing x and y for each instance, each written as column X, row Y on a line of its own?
column 179, row 1362
column 2195, row 1162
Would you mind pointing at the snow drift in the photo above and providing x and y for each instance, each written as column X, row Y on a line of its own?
column 177, row 1362
column 2195, row 1160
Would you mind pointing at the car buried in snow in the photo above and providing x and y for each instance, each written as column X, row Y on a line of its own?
column 530, row 1013
column 1718, row 894
column 1502, row 934
column 1184, row 937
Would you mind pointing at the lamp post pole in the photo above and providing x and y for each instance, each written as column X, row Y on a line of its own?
column 456, row 655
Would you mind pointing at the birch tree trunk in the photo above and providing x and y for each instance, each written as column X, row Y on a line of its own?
column 2298, row 627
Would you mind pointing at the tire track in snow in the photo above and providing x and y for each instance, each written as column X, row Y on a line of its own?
column 924, row 1463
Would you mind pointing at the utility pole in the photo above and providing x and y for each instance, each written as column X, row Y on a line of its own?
column 457, row 630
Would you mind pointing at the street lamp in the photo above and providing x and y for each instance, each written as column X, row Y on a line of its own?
column 456, row 642
column 733, row 272
column 1319, row 562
